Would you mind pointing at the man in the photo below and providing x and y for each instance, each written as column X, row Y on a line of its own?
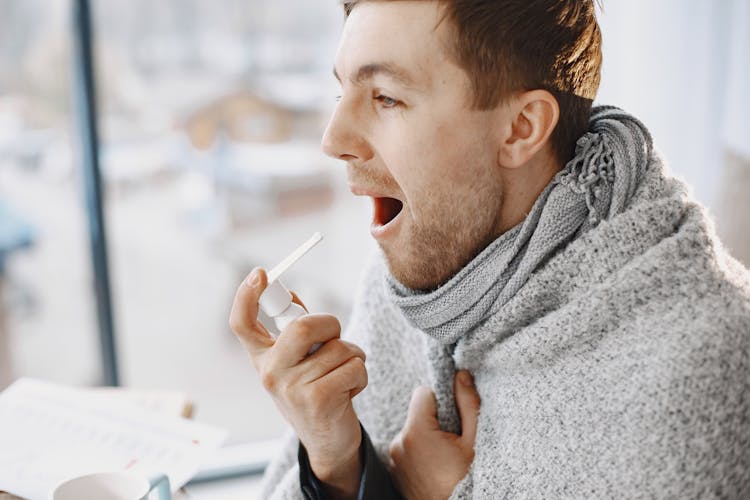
column 551, row 315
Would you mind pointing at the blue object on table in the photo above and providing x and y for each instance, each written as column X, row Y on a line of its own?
column 160, row 484
column 16, row 233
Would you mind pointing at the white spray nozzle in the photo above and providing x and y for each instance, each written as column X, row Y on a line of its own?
column 276, row 298
column 293, row 257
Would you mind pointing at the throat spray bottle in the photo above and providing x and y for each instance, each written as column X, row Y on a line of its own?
column 276, row 301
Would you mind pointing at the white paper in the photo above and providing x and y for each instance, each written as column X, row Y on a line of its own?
column 165, row 402
column 50, row 433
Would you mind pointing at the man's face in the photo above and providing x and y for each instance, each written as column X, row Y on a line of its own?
column 405, row 127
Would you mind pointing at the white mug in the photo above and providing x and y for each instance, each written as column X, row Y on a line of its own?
column 111, row 486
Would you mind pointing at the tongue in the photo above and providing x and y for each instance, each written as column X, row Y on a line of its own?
column 386, row 209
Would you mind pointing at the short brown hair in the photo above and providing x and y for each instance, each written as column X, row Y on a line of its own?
column 507, row 46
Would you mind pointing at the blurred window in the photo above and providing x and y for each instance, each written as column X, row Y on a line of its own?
column 210, row 117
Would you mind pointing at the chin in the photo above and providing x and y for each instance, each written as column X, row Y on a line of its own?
column 426, row 263
column 417, row 272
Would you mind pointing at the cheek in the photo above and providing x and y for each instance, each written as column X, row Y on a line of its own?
column 429, row 161
column 461, row 151
column 451, row 165
column 408, row 155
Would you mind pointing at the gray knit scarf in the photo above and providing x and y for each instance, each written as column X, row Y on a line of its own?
column 598, row 183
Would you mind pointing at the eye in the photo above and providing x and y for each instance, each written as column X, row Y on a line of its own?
column 338, row 98
column 387, row 102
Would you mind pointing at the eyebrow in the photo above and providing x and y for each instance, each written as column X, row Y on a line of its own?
column 369, row 71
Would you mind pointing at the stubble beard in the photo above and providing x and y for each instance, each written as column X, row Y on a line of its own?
column 437, row 249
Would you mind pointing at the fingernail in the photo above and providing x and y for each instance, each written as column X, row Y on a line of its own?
column 253, row 279
column 466, row 379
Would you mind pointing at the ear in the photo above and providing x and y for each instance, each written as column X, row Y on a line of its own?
column 534, row 115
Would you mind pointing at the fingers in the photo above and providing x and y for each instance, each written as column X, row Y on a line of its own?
column 420, row 418
column 395, row 451
column 331, row 355
column 294, row 342
column 243, row 318
column 468, row 402
column 350, row 377
column 422, row 413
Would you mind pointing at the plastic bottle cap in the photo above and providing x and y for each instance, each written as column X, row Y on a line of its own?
column 275, row 299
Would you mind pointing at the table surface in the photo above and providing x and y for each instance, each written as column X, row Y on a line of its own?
column 241, row 488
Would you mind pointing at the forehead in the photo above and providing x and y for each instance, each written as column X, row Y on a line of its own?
column 408, row 35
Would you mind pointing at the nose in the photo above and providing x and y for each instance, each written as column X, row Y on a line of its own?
column 344, row 138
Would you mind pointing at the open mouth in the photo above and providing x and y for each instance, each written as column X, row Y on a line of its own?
column 386, row 209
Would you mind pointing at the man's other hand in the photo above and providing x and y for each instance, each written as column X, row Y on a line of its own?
column 427, row 463
column 314, row 393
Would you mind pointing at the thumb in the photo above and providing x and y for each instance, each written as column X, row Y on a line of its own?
column 422, row 413
column 243, row 318
column 467, row 400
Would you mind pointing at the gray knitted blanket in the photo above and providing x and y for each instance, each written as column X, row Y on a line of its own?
column 608, row 334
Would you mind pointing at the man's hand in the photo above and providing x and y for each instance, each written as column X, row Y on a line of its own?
column 427, row 463
column 314, row 393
